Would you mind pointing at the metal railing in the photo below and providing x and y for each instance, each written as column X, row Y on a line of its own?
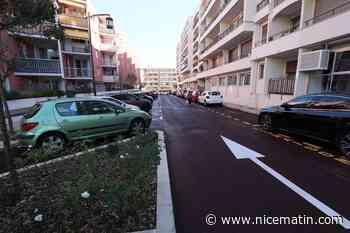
column 38, row 30
column 281, row 86
column 261, row 5
column 277, row 2
column 109, row 63
column 73, row 21
column 335, row 11
column 74, row 49
column 220, row 36
column 73, row 72
column 38, row 66
column 284, row 33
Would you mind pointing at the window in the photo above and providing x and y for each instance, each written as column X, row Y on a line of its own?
column 261, row 71
column 342, row 63
column 241, row 79
column 96, row 107
column 264, row 33
column 331, row 103
column 247, row 78
column 43, row 53
column 222, row 81
column 233, row 55
column 300, row 102
column 67, row 109
column 232, row 80
column 246, row 49
column 32, row 111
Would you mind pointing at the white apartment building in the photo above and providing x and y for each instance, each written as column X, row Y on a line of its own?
column 159, row 79
column 264, row 52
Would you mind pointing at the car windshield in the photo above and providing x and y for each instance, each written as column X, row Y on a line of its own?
column 215, row 93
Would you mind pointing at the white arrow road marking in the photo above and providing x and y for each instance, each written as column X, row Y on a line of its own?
column 241, row 152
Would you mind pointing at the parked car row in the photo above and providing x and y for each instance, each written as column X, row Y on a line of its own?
column 51, row 125
column 205, row 97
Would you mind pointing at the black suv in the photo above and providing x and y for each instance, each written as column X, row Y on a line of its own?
column 325, row 117
column 143, row 104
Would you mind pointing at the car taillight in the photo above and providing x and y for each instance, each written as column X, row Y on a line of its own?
column 26, row 127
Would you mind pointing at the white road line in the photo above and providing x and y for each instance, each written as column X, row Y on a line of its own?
column 242, row 152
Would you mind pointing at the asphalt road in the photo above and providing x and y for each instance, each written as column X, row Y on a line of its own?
column 206, row 177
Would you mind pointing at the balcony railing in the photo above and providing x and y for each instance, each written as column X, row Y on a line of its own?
column 74, row 21
column 281, row 86
column 231, row 28
column 335, row 11
column 277, row 2
column 262, row 5
column 75, row 49
column 73, row 72
column 109, row 63
column 217, row 15
column 38, row 66
column 38, row 30
column 284, row 33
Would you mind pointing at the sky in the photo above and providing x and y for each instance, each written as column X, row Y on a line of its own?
column 153, row 26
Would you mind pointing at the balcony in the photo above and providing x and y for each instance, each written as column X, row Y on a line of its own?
column 46, row 67
column 108, row 79
column 74, row 21
column 216, row 15
column 281, row 86
column 77, row 49
column 333, row 12
column 108, row 47
column 284, row 33
column 112, row 64
column 33, row 31
column 261, row 5
column 220, row 36
column 77, row 73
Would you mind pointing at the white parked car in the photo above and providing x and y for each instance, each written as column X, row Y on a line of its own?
column 211, row 97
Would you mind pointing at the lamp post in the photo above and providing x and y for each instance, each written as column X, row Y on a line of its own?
column 109, row 25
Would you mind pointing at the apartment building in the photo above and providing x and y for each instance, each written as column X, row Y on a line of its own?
column 159, row 79
column 264, row 52
column 76, row 45
column 38, row 60
column 105, row 54
column 45, row 64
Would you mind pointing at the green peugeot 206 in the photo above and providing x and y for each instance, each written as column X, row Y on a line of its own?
column 52, row 124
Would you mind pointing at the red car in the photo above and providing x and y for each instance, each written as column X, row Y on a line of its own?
column 195, row 96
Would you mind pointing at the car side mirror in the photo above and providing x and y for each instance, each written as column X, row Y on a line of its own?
column 285, row 106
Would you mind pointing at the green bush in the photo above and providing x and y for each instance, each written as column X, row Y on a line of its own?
column 13, row 95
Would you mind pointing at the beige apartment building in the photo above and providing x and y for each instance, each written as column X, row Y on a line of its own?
column 159, row 79
column 264, row 52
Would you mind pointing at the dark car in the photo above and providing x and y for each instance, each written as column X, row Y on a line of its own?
column 324, row 117
column 144, row 96
column 143, row 104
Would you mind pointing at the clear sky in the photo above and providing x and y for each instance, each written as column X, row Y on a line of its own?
column 153, row 26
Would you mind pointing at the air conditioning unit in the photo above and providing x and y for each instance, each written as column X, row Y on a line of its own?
column 314, row 61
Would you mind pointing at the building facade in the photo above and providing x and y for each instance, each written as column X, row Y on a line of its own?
column 264, row 52
column 129, row 76
column 159, row 79
column 44, row 64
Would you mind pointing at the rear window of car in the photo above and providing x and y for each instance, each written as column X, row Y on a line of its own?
column 67, row 109
column 215, row 93
column 32, row 111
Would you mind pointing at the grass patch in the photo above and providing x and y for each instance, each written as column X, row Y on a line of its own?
column 112, row 190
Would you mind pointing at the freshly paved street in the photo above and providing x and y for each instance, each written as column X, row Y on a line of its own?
column 207, row 178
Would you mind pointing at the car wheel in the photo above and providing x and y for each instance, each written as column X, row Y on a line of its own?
column 52, row 143
column 137, row 127
column 266, row 122
column 344, row 144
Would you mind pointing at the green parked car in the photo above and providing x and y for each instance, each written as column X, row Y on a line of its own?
column 51, row 125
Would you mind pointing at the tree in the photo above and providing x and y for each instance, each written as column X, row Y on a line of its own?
column 17, row 15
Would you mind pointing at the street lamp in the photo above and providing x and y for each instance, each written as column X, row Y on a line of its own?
column 109, row 25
